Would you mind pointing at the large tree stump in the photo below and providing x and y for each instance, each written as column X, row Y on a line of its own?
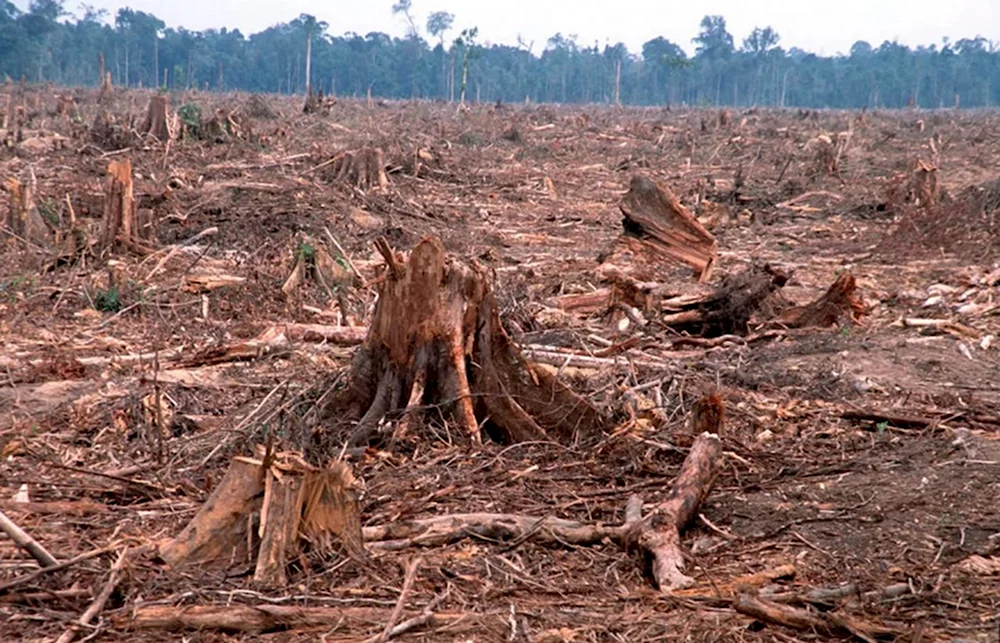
column 436, row 342
column 654, row 216
column 156, row 122
column 121, row 222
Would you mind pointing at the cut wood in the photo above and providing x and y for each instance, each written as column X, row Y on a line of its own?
column 656, row 217
column 99, row 601
column 436, row 322
column 24, row 220
column 658, row 534
column 259, row 618
column 823, row 623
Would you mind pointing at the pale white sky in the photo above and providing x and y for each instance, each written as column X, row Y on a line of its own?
column 821, row 26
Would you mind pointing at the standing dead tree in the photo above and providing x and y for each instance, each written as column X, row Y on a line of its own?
column 664, row 228
column 436, row 342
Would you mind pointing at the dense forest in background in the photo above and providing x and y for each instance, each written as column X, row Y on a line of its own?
column 48, row 44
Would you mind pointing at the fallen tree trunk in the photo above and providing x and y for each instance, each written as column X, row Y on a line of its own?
column 665, row 228
column 658, row 534
column 436, row 341
column 822, row 623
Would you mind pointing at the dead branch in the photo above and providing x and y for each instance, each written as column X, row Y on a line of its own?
column 840, row 300
column 98, row 604
column 22, row 539
column 823, row 623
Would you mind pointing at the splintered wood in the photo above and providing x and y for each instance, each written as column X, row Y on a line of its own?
column 666, row 228
column 436, row 341
column 122, row 224
column 270, row 511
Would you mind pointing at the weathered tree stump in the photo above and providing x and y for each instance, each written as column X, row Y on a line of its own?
column 364, row 168
column 23, row 216
column 665, row 228
column 122, row 224
column 267, row 511
column 156, row 122
column 436, row 343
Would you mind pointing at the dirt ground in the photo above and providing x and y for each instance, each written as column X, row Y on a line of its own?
column 532, row 193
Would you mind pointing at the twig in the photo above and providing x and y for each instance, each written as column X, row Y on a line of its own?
column 98, row 604
column 27, row 578
column 177, row 248
column 411, row 574
column 22, row 539
column 424, row 617
column 343, row 253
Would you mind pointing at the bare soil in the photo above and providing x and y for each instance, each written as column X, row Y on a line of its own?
column 532, row 193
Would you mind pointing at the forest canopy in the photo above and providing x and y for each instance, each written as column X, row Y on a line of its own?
column 47, row 43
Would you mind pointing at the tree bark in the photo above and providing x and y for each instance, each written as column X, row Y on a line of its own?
column 156, row 119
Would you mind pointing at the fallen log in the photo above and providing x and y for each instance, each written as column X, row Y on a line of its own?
column 436, row 341
column 259, row 619
column 657, row 535
column 22, row 539
column 665, row 228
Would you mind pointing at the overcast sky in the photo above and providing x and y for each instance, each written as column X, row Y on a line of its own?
column 821, row 26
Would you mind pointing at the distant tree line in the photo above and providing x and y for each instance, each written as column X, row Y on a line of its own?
column 47, row 44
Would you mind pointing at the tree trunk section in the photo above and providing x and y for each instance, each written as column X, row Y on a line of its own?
column 665, row 228
column 121, row 224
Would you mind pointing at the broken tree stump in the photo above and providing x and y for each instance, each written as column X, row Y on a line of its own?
column 23, row 217
column 121, row 222
column 665, row 228
column 435, row 342
column 364, row 168
column 267, row 512
column 156, row 121
column 840, row 300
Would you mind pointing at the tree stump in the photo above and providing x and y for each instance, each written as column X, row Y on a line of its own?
column 364, row 168
column 267, row 512
column 840, row 300
column 121, row 224
column 23, row 216
column 436, row 343
column 665, row 228
column 156, row 122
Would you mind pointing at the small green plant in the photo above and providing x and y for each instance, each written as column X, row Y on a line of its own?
column 190, row 116
column 305, row 252
column 49, row 210
column 107, row 300
column 881, row 427
column 845, row 331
